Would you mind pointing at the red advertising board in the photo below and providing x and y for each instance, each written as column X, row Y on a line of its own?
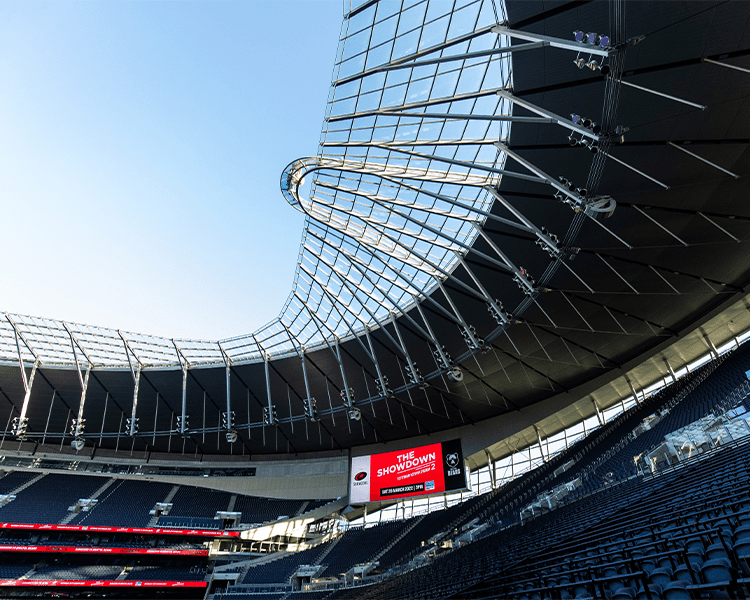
column 136, row 530
column 101, row 550
column 431, row 469
column 98, row 583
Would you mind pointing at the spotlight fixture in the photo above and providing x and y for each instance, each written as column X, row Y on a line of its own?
column 583, row 192
column 590, row 38
column 579, row 62
column 578, row 35
column 594, row 147
column 593, row 65
column 572, row 141
column 575, row 118
column 605, row 69
column 456, row 375
column 602, row 41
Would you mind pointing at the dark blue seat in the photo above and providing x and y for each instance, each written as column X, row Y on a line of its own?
column 676, row 591
column 661, row 576
column 716, row 570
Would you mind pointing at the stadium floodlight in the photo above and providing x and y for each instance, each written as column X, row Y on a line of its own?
column 311, row 411
column 456, row 375
column 567, row 183
column 19, row 427
column 132, row 425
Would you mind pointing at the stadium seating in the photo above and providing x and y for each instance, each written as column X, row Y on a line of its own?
column 358, row 545
column 166, row 572
column 281, row 569
column 15, row 479
column 126, row 503
column 198, row 502
column 47, row 500
column 262, row 510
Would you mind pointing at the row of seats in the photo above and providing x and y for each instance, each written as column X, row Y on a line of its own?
column 128, row 502
column 619, row 536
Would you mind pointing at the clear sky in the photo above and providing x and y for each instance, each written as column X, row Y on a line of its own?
column 141, row 145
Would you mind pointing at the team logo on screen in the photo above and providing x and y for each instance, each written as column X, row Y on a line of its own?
column 452, row 460
column 360, row 476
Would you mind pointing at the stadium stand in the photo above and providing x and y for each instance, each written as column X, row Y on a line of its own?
column 33, row 505
column 281, row 569
column 651, row 502
column 200, row 503
column 15, row 479
column 358, row 545
column 262, row 510
column 126, row 503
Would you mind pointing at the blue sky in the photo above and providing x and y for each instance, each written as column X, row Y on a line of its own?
column 141, row 145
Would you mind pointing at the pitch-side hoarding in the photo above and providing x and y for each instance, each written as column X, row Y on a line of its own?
column 421, row 471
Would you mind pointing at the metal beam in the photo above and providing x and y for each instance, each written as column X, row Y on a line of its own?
column 416, row 55
column 705, row 160
column 562, row 121
column 554, row 42
column 663, row 95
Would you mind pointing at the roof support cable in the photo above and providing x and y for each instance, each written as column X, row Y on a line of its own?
column 728, row 66
column 347, row 393
column 415, row 377
column 182, row 418
column 577, row 201
column 227, row 417
column 21, row 422
column 641, row 173
column 655, row 222
column 705, row 160
column 444, row 361
column 311, row 411
column 78, row 425
column 555, row 118
column 582, row 47
column 663, row 95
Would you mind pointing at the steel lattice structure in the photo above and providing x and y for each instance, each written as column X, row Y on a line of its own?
column 450, row 271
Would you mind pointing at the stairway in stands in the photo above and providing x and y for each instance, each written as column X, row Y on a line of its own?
column 93, row 496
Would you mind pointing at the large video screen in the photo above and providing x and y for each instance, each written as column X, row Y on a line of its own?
column 421, row 471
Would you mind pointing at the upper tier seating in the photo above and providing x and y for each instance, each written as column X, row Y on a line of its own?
column 47, row 500
column 198, row 502
column 281, row 569
column 15, row 479
column 125, row 503
column 262, row 510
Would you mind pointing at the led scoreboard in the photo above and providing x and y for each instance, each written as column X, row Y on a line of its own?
column 431, row 469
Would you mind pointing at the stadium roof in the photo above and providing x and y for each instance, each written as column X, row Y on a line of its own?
column 502, row 224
